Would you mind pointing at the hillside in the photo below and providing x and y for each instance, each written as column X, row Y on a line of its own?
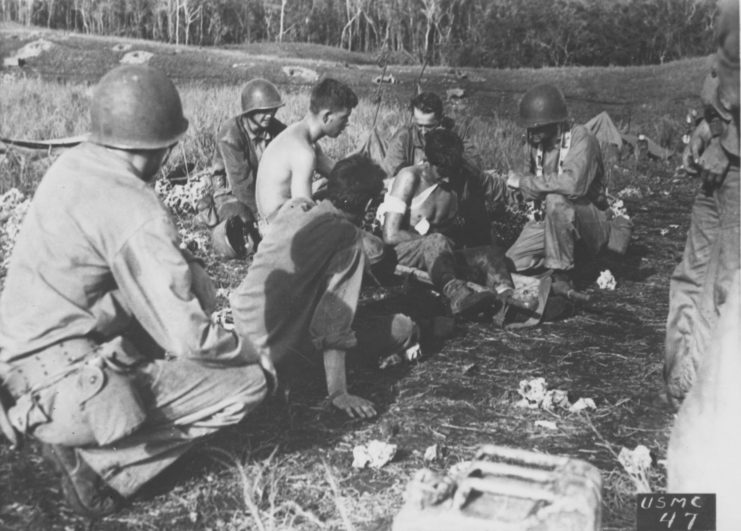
column 623, row 91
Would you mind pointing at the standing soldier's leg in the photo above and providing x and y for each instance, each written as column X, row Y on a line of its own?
column 690, row 314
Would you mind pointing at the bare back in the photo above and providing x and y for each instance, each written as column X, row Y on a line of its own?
column 286, row 169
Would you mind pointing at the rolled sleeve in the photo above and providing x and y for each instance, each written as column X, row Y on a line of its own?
column 331, row 324
column 157, row 284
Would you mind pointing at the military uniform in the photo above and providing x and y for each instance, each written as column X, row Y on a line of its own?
column 407, row 148
column 104, row 326
column 569, row 179
column 238, row 152
column 700, row 284
column 301, row 292
column 460, row 245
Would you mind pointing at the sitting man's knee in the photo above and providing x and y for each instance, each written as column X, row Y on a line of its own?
column 245, row 396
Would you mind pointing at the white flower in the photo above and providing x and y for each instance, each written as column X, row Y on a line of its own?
column 374, row 454
column 606, row 280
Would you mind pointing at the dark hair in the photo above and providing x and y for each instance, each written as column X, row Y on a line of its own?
column 353, row 182
column 428, row 102
column 443, row 148
column 333, row 95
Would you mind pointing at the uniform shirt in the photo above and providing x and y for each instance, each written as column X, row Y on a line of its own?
column 97, row 249
column 238, row 152
column 582, row 175
column 407, row 148
column 301, row 291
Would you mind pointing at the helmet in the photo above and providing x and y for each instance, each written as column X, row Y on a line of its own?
column 136, row 107
column 228, row 239
column 542, row 105
column 260, row 95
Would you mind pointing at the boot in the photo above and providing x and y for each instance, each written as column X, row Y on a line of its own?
column 84, row 490
column 464, row 299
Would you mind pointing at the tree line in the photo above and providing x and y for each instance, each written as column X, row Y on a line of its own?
column 494, row 33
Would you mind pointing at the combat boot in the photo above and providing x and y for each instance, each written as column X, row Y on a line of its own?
column 84, row 490
column 465, row 300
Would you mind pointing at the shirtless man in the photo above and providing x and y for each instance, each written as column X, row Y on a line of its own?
column 433, row 209
column 288, row 163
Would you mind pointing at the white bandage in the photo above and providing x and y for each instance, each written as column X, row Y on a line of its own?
column 423, row 227
column 394, row 205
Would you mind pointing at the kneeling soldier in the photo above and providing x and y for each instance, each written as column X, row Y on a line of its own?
column 106, row 344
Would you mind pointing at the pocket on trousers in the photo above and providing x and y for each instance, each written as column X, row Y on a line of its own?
column 110, row 404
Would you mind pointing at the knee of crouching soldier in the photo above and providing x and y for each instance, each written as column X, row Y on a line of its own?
column 246, row 395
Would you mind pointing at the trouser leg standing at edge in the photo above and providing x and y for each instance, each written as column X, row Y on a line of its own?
column 550, row 243
column 183, row 401
column 700, row 283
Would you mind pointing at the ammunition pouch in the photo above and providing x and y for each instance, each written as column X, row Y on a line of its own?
column 76, row 393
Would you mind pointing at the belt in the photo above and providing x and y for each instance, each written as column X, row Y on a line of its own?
column 46, row 365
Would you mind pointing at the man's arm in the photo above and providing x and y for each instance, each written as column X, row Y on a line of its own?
column 397, row 204
column 334, row 369
column 579, row 170
column 240, row 172
column 302, row 173
column 157, row 285
column 324, row 163
column 331, row 325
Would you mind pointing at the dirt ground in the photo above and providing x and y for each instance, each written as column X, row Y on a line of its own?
column 463, row 394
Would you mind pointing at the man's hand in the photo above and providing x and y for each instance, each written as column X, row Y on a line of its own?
column 699, row 139
column 354, row 406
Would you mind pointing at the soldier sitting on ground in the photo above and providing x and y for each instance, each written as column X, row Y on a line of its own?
column 301, row 292
column 288, row 164
column 231, row 209
column 98, row 291
column 564, row 171
column 436, row 207
column 407, row 145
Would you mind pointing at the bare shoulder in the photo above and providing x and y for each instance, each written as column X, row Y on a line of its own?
column 406, row 182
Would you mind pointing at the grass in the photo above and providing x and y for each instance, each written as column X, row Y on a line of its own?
column 288, row 465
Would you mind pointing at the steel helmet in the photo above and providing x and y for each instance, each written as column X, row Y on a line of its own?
column 260, row 95
column 136, row 107
column 542, row 105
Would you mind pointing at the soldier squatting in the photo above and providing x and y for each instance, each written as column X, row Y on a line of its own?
column 114, row 365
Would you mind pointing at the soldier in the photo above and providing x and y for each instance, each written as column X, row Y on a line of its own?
column 563, row 170
column 288, row 165
column 436, row 207
column 700, row 283
column 106, row 344
column 239, row 148
column 407, row 146
column 301, row 292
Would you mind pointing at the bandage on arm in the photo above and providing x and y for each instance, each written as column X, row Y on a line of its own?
column 392, row 204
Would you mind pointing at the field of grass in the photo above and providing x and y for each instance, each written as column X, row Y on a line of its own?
column 288, row 465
